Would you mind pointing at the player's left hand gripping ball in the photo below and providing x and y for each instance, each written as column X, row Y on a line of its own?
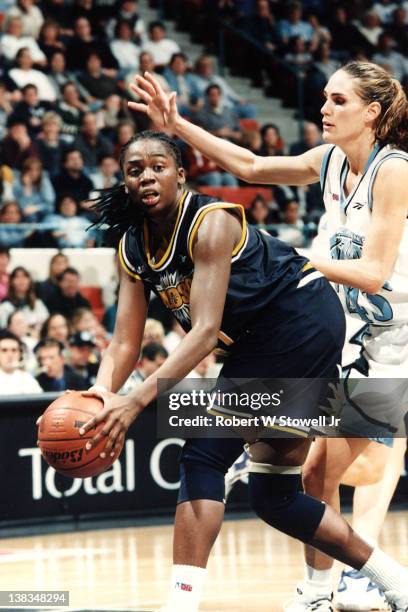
column 118, row 413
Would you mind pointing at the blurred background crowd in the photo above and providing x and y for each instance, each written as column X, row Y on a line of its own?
column 65, row 70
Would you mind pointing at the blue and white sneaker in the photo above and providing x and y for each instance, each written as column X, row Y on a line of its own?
column 238, row 471
column 398, row 601
column 356, row 592
column 305, row 600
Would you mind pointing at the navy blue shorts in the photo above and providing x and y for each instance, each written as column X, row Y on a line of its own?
column 300, row 336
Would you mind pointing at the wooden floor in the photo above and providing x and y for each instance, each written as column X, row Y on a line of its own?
column 253, row 567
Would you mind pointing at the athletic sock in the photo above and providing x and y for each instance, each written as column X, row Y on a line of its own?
column 385, row 571
column 318, row 581
column 186, row 586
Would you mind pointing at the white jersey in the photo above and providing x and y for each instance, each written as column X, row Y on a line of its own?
column 348, row 220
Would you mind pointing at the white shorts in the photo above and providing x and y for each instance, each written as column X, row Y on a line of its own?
column 372, row 399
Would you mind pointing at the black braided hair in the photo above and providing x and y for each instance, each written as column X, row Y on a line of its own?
column 113, row 207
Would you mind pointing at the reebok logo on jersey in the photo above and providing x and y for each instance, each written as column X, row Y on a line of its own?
column 358, row 205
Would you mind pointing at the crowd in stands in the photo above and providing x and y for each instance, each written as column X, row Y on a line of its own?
column 65, row 70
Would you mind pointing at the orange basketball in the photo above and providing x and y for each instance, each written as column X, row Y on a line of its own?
column 61, row 445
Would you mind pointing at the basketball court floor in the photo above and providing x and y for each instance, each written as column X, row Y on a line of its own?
column 252, row 568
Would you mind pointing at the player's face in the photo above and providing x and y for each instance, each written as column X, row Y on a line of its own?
column 152, row 177
column 345, row 114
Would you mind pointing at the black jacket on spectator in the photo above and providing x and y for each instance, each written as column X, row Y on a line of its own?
column 100, row 87
column 71, row 380
column 11, row 154
column 51, row 157
column 79, row 50
column 92, row 154
column 66, row 306
column 31, row 115
column 67, row 185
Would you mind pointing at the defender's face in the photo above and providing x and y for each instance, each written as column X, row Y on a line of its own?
column 151, row 176
column 345, row 114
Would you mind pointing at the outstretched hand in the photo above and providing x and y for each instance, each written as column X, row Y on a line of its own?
column 159, row 106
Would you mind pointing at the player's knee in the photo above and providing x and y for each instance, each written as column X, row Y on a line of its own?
column 277, row 499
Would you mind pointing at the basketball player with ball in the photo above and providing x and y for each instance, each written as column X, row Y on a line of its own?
column 237, row 288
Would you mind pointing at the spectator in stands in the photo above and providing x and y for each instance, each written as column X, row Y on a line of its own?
column 84, row 320
column 258, row 212
column 344, row 34
column 14, row 380
column 311, row 138
column 49, row 143
column 124, row 48
column 91, row 144
column 25, row 74
column 83, row 43
column 205, row 172
column 160, row 48
column 297, row 55
column 146, row 64
column 21, row 296
column 71, row 110
column 107, row 174
column 205, row 76
column 56, row 374
column 82, row 357
column 13, row 41
column 272, row 143
column 214, row 118
column 294, row 25
column 17, row 324
column 291, row 228
column 17, row 146
column 30, row 15
column 125, row 131
column 95, row 80
column 261, row 26
column 6, row 183
column 72, row 181
column 251, row 140
column 57, row 327
column 153, row 332
column 6, row 108
column 4, row 275
column 390, row 59
column 318, row 75
column 174, row 337
column 370, row 28
column 49, row 40
column 321, row 34
column 67, row 297
column 49, row 288
column 31, row 110
column 153, row 355
column 399, row 30
column 324, row 63
column 68, row 228
column 204, row 369
column 385, row 9
column 184, row 83
column 110, row 115
column 33, row 190
column 129, row 13
column 11, row 215
column 59, row 77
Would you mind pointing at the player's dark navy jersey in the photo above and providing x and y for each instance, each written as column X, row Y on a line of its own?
column 262, row 267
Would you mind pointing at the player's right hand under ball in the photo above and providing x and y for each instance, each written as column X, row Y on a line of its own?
column 119, row 412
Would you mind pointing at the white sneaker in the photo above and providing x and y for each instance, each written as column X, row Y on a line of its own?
column 398, row 601
column 238, row 471
column 309, row 602
column 356, row 592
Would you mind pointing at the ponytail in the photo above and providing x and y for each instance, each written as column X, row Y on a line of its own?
column 115, row 211
column 375, row 84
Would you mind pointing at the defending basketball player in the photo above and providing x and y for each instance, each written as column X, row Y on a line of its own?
column 206, row 245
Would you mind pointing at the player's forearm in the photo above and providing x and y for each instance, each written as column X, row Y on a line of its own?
column 117, row 364
column 359, row 273
column 196, row 345
column 234, row 159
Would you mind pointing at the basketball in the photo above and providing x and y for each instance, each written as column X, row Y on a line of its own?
column 61, row 445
